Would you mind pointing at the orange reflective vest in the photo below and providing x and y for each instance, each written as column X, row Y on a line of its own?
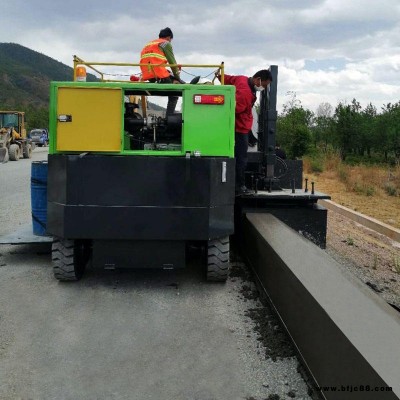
column 153, row 55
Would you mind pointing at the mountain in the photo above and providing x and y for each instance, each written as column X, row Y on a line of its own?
column 25, row 77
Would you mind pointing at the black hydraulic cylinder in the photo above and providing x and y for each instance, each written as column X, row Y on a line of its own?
column 267, row 122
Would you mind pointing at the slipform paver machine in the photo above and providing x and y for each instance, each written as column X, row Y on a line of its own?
column 130, row 188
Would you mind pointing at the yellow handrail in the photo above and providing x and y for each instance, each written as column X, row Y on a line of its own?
column 90, row 64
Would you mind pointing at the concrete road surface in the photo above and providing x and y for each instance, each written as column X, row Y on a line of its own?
column 125, row 335
column 15, row 191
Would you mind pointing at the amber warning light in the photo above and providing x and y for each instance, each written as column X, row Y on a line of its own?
column 81, row 74
column 216, row 99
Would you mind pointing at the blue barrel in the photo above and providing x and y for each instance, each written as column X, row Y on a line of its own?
column 39, row 197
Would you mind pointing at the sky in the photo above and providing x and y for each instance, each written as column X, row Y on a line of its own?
column 327, row 51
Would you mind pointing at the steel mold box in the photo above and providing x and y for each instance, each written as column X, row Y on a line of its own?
column 140, row 198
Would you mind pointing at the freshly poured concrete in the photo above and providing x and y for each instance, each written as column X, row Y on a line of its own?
column 348, row 336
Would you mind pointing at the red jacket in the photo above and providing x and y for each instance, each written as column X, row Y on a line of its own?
column 245, row 99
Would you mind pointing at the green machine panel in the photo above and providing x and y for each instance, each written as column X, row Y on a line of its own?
column 120, row 118
column 209, row 119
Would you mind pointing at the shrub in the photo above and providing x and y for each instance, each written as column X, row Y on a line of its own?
column 343, row 173
column 363, row 188
column 307, row 165
column 390, row 189
column 369, row 190
column 332, row 160
column 316, row 165
column 396, row 264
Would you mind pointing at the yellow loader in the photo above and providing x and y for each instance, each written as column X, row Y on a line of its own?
column 14, row 143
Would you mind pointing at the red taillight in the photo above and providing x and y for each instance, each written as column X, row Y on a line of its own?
column 215, row 99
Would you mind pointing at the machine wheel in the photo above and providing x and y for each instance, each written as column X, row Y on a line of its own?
column 218, row 259
column 14, row 152
column 27, row 151
column 69, row 258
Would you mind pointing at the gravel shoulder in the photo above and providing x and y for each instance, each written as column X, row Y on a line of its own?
column 372, row 257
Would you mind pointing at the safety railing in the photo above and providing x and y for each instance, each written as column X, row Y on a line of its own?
column 81, row 65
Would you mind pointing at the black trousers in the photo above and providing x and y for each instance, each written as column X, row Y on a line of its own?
column 241, row 146
column 172, row 100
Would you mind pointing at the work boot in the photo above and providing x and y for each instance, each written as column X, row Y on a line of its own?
column 172, row 102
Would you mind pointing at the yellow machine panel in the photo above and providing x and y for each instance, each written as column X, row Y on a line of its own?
column 89, row 119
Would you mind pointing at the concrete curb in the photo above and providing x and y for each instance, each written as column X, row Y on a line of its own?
column 369, row 222
column 345, row 333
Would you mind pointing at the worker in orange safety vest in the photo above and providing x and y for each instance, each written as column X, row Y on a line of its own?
column 156, row 53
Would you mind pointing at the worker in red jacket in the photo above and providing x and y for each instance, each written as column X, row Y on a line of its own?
column 246, row 89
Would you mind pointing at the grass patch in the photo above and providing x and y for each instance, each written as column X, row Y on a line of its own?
column 343, row 173
column 316, row 165
column 362, row 188
column 375, row 265
column 350, row 241
column 362, row 179
column 371, row 190
column 390, row 189
column 396, row 264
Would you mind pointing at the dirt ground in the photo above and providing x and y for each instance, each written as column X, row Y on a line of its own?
column 380, row 206
column 373, row 257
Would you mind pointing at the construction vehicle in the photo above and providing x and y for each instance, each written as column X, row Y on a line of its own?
column 14, row 143
column 39, row 137
column 129, row 188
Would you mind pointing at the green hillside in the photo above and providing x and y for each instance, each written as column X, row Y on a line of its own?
column 25, row 76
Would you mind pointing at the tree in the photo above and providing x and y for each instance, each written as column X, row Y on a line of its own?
column 367, row 129
column 37, row 117
column 347, row 118
column 388, row 131
column 324, row 110
column 323, row 125
column 293, row 127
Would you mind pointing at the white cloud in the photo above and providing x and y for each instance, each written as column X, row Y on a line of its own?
column 326, row 50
